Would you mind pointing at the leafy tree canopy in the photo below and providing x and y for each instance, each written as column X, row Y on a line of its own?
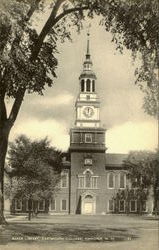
column 35, row 167
column 144, row 172
column 29, row 59
column 143, row 167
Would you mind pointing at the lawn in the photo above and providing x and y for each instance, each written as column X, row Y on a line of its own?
column 75, row 229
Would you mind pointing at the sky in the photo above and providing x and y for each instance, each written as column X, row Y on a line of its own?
column 52, row 115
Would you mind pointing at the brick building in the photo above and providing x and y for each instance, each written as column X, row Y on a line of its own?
column 91, row 178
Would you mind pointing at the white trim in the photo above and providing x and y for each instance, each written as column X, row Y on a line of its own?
column 113, row 205
column 15, row 204
column 66, row 205
column 43, row 205
column 88, row 170
column 50, row 204
column 113, row 180
column 130, row 206
column 119, row 206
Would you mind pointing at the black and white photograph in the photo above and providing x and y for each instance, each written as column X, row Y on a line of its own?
column 79, row 124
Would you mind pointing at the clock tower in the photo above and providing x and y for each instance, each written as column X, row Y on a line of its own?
column 87, row 145
column 87, row 104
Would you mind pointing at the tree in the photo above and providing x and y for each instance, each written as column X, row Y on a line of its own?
column 36, row 169
column 28, row 58
column 27, row 62
column 134, row 25
column 143, row 172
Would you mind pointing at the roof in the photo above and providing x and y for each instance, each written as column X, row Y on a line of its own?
column 115, row 159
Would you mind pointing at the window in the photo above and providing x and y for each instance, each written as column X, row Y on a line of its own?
column 41, row 205
column 111, row 205
column 52, row 204
column 121, row 206
column 31, row 205
column 64, row 180
column 88, row 138
column 111, row 180
column 93, row 86
column 88, row 85
column 18, row 204
column 88, row 161
column 81, row 181
column 88, row 179
column 82, row 85
column 63, row 205
column 94, row 181
column 133, row 206
column 122, row 180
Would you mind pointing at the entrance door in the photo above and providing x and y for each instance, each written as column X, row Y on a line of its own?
column 88, row 205
column 88, row 208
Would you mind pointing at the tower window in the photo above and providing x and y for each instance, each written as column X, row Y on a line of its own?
column 82, row 85
column 93, row 86
column 88, row 179
column 88, row 138
column 94, row 181
column 88, row 85
column 81, row 181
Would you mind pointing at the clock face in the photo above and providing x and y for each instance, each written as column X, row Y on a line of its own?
column 88, row 111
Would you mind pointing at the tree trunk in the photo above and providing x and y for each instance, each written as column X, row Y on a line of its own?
column 29, row 208
column 4, row 133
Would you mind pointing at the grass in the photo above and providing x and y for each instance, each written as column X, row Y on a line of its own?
column 33, row 231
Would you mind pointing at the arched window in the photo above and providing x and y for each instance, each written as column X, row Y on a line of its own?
column 82, row 85
column 111, row 180
column 93, row 86
column 88, row 85
column 122, row 181
column 88, row 179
